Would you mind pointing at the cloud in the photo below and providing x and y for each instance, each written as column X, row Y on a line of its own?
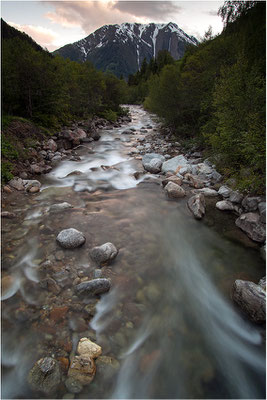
column 91, row 15
column 212, row 13
column 43, row 36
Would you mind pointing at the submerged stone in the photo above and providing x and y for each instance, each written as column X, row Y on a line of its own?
column 70, row 238
column 94, row 286
column 45, row 376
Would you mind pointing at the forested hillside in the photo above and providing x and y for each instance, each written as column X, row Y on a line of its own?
column 215, row 95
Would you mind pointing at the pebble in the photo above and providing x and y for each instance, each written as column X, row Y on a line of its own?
column 104, row 253
column 71, row 238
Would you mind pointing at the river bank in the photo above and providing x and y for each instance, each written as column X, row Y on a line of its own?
column 164, row 257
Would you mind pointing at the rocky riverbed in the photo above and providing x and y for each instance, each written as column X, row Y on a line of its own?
column 106, row 252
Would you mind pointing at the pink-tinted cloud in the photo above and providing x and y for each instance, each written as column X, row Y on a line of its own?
column 90, row 15
column 43, row 36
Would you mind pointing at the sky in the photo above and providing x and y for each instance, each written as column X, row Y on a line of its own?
column 53, row 24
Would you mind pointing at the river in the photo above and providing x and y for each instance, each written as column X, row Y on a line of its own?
column 168, row 321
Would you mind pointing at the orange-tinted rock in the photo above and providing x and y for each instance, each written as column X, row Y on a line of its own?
column 58, row 313
column 64, row 362
column 82, row 369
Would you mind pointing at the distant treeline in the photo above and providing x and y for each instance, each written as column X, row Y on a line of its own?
column 50, row 90
column 215, row 95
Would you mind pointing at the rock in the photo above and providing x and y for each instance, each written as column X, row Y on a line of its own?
column 250, row 203
column 250, row 223
column 16, row 183
column 107, row 367
column 73, row 385
column 235, row 197
column 37, row 169
column 215, row 176
column 97, row 273
column 207, row 192
column 224, row 191
column 7, row 214
column 194, row 181
column 87, row 348
column 23, row 174
column 77, row 135
column 154, row 166
column 262, row 210
column 34, row 189
column 127, row 132
column 197, row 205
column 174, row 163
column 104, row 253
column 50, row 145
column 147, row 158
column 31, row 183
column 251, row 298
column 262, row 283
column 94, row 286
column 59, row 207
column 45, row 376
column 172, row 178
column 70, row 238
column 7, row 189
column 174, row 191
column 82, row 370
column 225, row 205
column 263, row 252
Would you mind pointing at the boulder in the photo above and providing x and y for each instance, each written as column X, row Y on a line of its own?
column 225, row 191
column 87, row 348
column 16, row 183
column 197, row 205
column 154, row 166
column 262, row 283
column 29, row 184
column 235, row 197
column 207, row 192
column 174, row 191
column 172, row 178
column 45, row 376
column 70, row 238
column 127, row 132
column 250, row 223
column 93, row 287
column 194, row 181
column 262, row 211
column 59, row 207
column 104, row 253
column 225, row 205
column 50, row 145
column 147, row 158
column 250, row 203
column 37, row 169
column 174, row 163
column 251, row 298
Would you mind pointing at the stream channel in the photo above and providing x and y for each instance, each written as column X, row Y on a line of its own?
column 168, row 323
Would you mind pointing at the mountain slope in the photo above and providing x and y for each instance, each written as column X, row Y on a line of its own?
column 121, row 48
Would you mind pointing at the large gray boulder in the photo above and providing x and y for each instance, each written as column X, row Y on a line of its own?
column 251, row 298
column 235, row 197
column 225, row 205
column 45, row 376
column 207, row 192
column 174, row 191
column 147, row 158
column 250, row 203
column 224, row 191
column 174, row 163
column 93, row 287
column 70, row 238
column 250, row 223
column 104, row 253
column 197, row 205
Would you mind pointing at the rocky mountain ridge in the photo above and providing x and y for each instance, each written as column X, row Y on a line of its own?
column 122, row 48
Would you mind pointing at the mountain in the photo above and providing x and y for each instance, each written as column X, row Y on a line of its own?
column 122, row 48
column 8, row 32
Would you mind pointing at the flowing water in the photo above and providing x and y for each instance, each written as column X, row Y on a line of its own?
column 168, row 323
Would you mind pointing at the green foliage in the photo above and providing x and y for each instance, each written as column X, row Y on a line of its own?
column 7, row 148
column 6, row 174
column 216, row 94
column 109, row 115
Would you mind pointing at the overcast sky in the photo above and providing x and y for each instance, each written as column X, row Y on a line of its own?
column 55, row 23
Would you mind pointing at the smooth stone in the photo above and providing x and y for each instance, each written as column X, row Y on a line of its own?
column 59, row 207
column 45, row 376
column 174, row 191
column 7, row 214
column 196, row 205
column 104, row 253
column 30, row 184
column 225, row 191
column 225, row 205
column 251, row 298
column 250, row 223
column 207, row 192
column 172, row 178
column 154, row 166
column 174, row 163
column 87, row 348
column 70, row 238
column 16, row 184
column 94, row 286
